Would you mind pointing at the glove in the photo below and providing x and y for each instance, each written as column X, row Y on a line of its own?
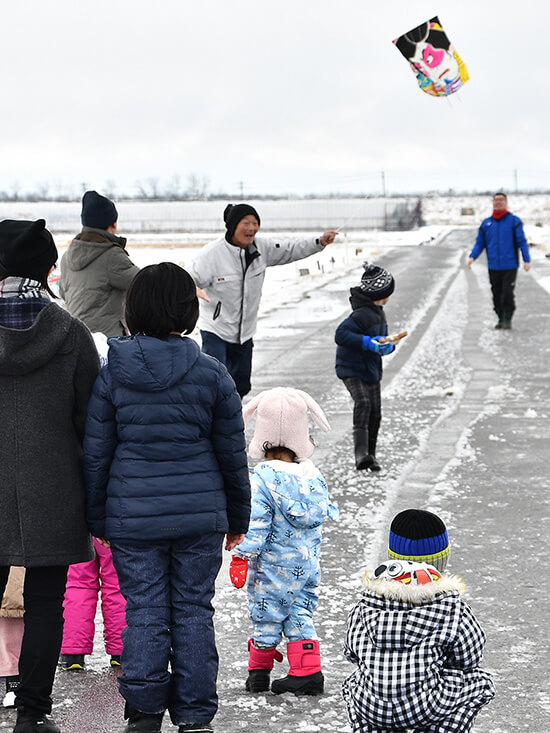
column 238, row 570
column 372, row 344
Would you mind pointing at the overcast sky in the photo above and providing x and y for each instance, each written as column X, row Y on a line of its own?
column 281, row 96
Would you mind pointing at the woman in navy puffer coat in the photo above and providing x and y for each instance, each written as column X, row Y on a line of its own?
column 166, row 475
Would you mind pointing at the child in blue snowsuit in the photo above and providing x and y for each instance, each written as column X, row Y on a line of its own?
column 281, row 549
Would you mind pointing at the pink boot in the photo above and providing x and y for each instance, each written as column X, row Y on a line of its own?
column 260, row 664
column 304, row 676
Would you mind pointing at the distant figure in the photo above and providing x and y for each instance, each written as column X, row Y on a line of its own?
column 166, row 473
column 501, row 235
column 290, row 504
column 96, row 269
column 359, row 359
column 232, row 271
column 48, row 364
column 415, row 641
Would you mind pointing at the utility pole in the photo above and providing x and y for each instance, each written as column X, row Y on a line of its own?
column 383, row 176
column 516, row 180
column 241, row 186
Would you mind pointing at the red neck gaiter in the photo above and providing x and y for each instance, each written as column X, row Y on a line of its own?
column 499, row 214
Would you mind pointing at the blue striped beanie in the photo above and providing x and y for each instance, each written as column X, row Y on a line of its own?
column 419, row 536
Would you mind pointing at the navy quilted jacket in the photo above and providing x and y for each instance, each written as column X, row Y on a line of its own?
column 164, row 451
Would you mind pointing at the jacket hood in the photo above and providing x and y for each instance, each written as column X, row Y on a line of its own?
column 24, row 350
column 88, row 246
column 151, row 364
column 299, row 491
column 358, row 299
column 392, row 590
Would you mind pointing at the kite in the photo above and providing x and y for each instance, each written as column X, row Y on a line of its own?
column 439, row 69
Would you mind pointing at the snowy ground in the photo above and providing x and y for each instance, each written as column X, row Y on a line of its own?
column 465, row 433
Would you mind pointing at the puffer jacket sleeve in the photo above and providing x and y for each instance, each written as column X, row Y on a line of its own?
column 86, row 371
column 349, row 333
column 121, row 268
column 100, row 443
column 230, row 448
column 261, row 520
column 354, row 635
column 480, row 243
column 467, row 649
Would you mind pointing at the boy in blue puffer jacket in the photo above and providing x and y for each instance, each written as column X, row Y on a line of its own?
column 359, row 362
column 289, row 506
column 166, row 474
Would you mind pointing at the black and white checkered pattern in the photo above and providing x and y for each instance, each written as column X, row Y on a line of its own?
column 417, row 664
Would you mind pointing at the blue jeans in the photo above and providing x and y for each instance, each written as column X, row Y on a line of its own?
column 168, row 586
column 236, row 357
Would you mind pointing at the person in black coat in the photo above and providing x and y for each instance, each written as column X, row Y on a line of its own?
column 166, row 473
column 359, row 358
column 48, row 364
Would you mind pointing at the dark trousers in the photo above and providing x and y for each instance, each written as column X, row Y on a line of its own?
column 236, row 357
column 503, row 283
column 367, row 408
column 43, row 594
column 168, row 586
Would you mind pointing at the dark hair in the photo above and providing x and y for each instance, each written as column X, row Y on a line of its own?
column 500, row 193
column 268, row 448
column 161, row 298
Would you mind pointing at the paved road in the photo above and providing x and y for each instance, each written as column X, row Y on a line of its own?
column 466, row 425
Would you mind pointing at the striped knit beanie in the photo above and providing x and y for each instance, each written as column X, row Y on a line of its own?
column 419, row 536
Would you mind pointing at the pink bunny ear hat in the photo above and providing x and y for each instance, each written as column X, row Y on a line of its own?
column 281, row 420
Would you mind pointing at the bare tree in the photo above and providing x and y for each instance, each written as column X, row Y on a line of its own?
column 197, row 188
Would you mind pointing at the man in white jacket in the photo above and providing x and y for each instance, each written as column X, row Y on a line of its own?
column 231, row 271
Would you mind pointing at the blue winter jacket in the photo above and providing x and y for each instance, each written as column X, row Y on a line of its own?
column 352, row 360
column 501, row 238
column 164, row 450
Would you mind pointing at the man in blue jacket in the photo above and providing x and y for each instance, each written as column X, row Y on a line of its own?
column 501, row 234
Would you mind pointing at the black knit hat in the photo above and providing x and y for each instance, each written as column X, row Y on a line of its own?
column 27, row 249
column 98, row 211
column 420, row 536
column 233, row 213
column 376, row 283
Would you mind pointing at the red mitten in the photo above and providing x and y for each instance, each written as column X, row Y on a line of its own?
column 238, row 570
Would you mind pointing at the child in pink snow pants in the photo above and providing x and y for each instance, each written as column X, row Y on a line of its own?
column 84, row 581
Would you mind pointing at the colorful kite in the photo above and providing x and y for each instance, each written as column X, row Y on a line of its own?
column 439, row 69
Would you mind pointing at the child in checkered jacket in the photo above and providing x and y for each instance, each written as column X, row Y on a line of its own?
column 415, row 641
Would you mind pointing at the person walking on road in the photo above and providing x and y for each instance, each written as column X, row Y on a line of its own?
column 290, row 504
column 96, row 269
column 230, row 274
column 48, row 364
column 166, row 473
column 359, row 355
column 501, row 235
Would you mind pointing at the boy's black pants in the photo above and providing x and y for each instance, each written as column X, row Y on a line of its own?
column 367, row 408
column 503, row 283
column 43, row 594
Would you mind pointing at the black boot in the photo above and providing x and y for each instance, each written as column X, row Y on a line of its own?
column 506, row 323
column 197, row 728
column 360, row 442
column 28, row 722
column 258, row 680
column 139, row 722
column 311, row 684
column 373, row 465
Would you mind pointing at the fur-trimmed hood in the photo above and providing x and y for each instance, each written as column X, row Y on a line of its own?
column 393, row 590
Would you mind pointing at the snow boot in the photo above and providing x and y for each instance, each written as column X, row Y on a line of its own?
column 12, row 683
column 360, row 442
column 115, row 661
column 260, row 664
column 304, row 676
column 139, row 722
column 197, row 728
column 29, row 722
column 506, row 324
column 72, row 662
